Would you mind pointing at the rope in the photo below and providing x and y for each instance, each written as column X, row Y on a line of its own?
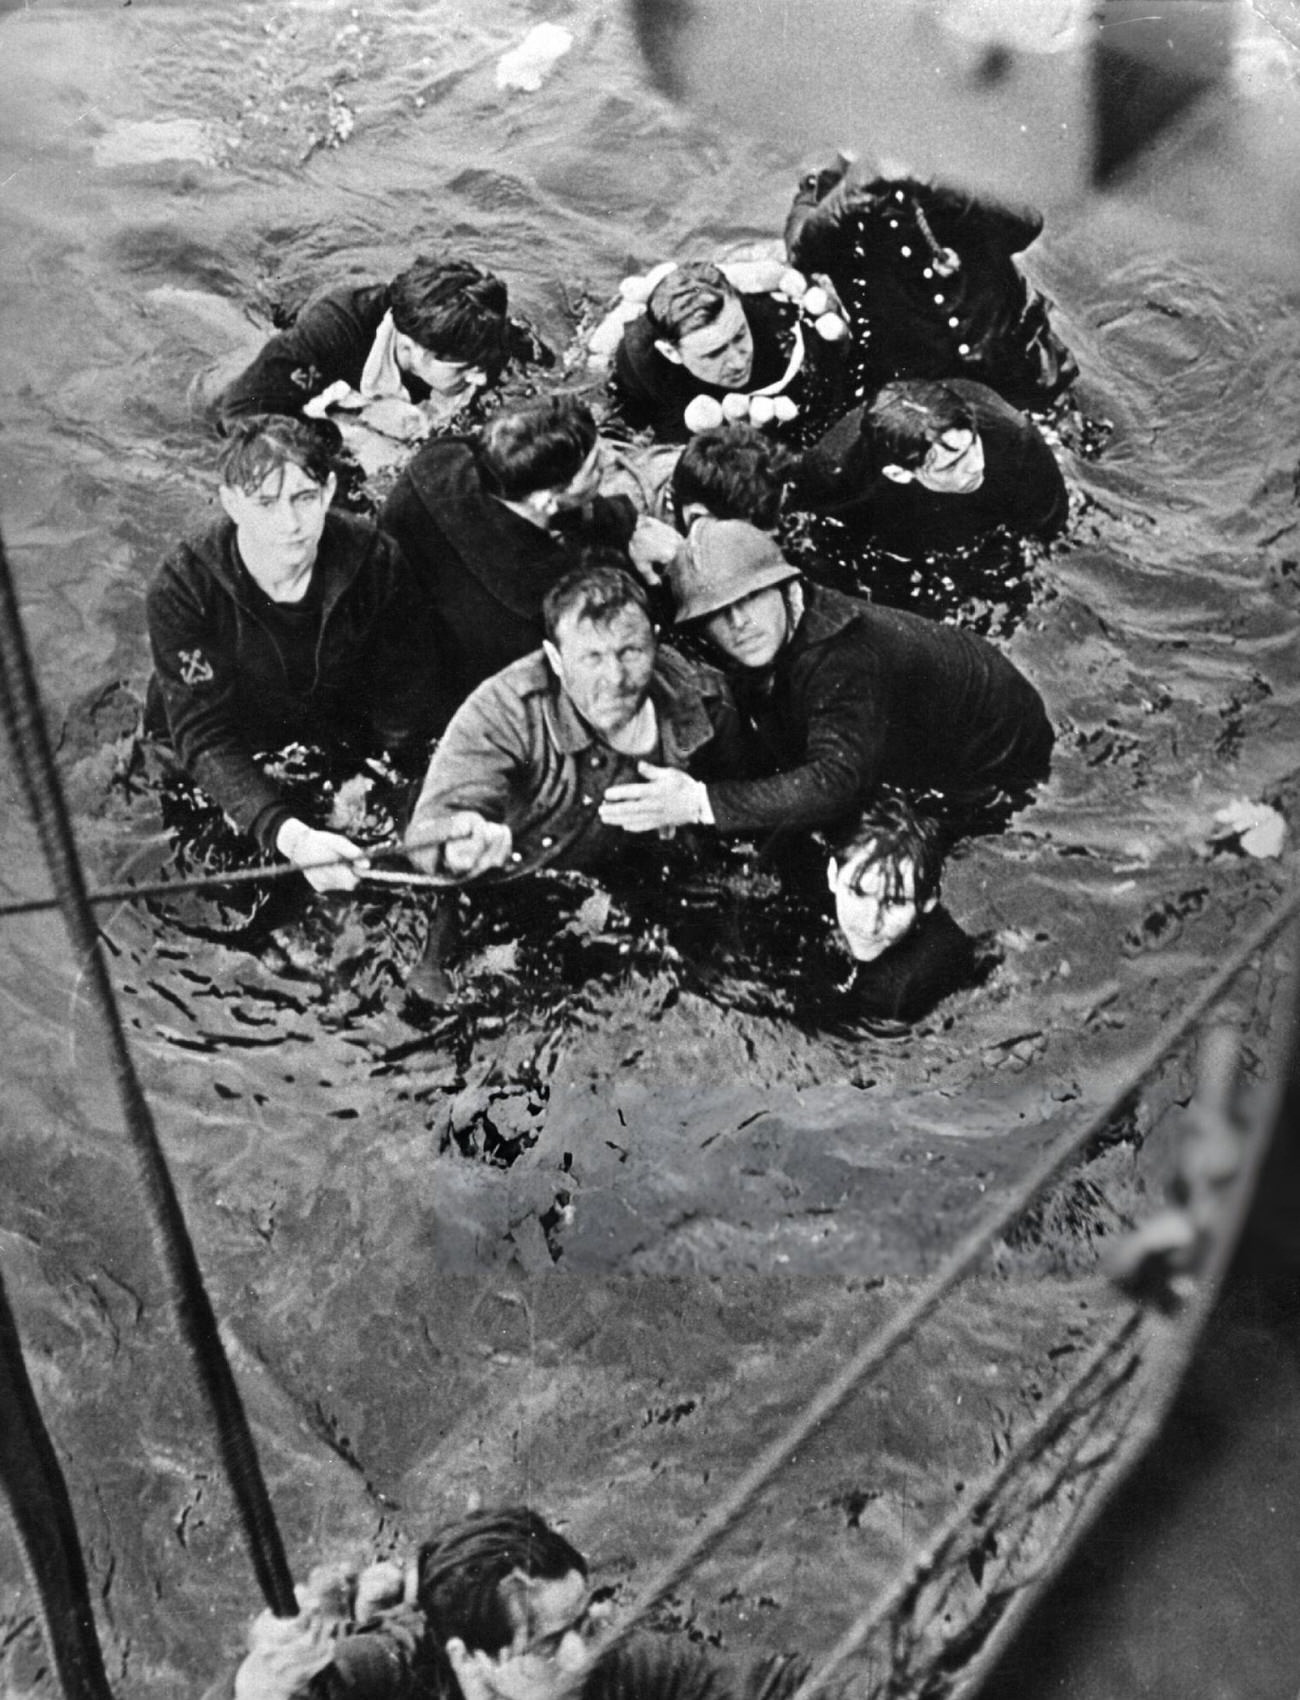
column 47, row 1532
column 20, row 709
column 237, row 876
column 876, row 1351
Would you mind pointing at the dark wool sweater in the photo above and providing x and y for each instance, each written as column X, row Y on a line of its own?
column 485, row 569
column 331, row 339
column 233, row 678
column 862, row 696
column 1022, row 490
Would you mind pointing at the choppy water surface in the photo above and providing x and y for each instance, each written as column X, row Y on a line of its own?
column 174, row 176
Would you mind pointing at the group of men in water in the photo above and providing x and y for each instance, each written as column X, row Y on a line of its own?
column 585, row 672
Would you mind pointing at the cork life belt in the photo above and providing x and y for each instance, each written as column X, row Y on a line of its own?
column 819, row 315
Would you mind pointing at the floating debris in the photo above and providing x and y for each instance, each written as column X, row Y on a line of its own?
column 527, row 66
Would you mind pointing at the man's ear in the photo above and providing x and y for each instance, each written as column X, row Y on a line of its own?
column 552, row 654
column 931, row 902
column 832, row 873
column 669, row 350
column 898, row 474
column 225, row 495
column 330, row 485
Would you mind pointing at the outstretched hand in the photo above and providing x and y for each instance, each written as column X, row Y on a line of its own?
column 461, row 845
column 664, row 797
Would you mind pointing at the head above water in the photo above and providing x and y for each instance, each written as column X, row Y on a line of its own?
column 453, row 312
column 547, row 448
column 730, row 472
column 504, row 1597
column 257, row 447
column 600, row 641
column 923, row 431
column 699, row 322
column 884, row 874
column 277, row 483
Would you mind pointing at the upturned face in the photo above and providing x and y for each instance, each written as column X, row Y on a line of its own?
column 605, row 668
column 279, row 524
column 875, row 902
column 721, row 354
column 954, row 465
column 752, row 630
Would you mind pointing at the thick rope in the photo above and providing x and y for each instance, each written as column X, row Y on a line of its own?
column 47, row 1532
column 20, row 709
column 877, row 1350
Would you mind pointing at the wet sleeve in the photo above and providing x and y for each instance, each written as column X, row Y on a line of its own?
column 845, row 713
column 480, row 764
column 960, row 218
column 1045, row 495
column 654, row 1667
column 200, row 685
column 295, row 365
column 402, row 660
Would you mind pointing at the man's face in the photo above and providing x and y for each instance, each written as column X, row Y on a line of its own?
column 605, row 668
column 722, row 353
column 447, row 379
column 882, row 910
column 752, row 630
column 954, row 465
column 548, row 1651
column 279, row 524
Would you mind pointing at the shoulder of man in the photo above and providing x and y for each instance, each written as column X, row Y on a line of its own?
column 193, row 565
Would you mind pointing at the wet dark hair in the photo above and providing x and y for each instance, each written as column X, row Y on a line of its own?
column 455, row 310
column 889, row 831
column 266, row 442
column 461, row 1569
column 689, row 298
column 536, row 447
column 736, row 472
column 904, row 420
column 600, row 588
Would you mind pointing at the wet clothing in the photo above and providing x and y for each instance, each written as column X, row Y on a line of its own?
column 517, row 751
column 655, row 393
column 236, row 673
column 983, row 321
column 331, row 339
column 905, row 983
column 862, row 696
column 1022, row 489
column 392, row 1660
column 484, row 568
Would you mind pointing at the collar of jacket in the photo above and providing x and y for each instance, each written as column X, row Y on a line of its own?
column 334, row 569
column 680, row 692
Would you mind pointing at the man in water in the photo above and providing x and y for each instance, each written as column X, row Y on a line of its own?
column 906, row 952
column 928, row 277
column 519, row 777
column 841, row 697
column 497, row 1606
column 416, row 351
column 701, row 337
column 731, row 472
column 490, row 523
column 285, row 622
column 929, row 467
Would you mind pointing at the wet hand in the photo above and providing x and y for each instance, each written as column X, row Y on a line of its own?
column 392, row 416
column 329, row 861
column 666, row 797
column 654, row 545
column 285, row 1653
column 463, row 844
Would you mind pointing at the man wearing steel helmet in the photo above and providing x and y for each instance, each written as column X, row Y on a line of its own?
column 841, row 696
